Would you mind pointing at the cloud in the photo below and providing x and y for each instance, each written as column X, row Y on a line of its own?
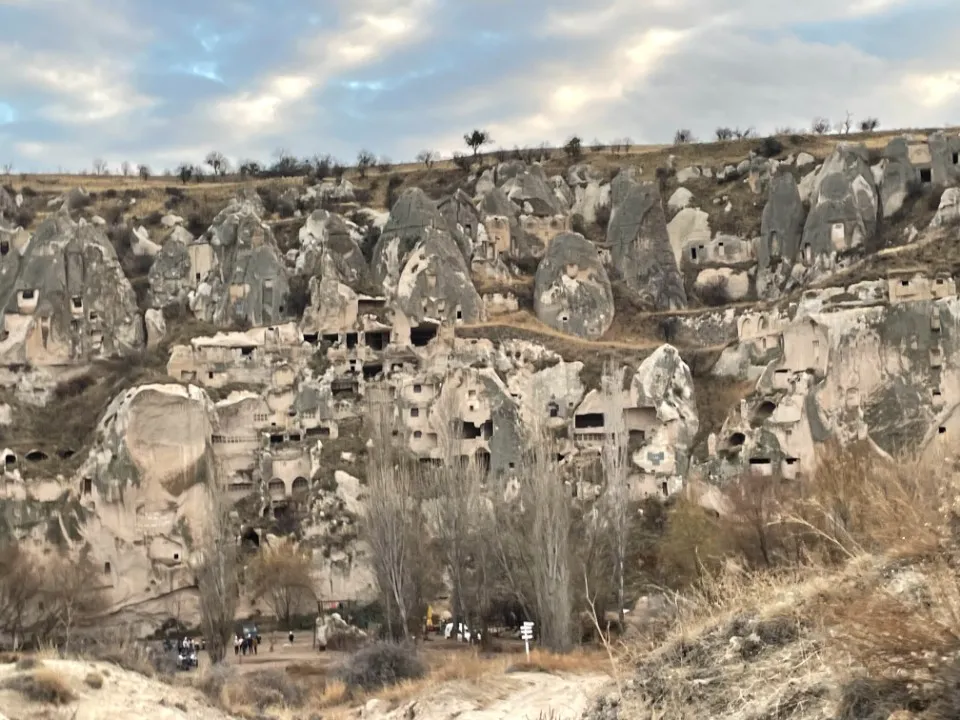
column 162, row 83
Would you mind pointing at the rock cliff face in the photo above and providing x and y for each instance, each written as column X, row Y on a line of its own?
column 788, row 302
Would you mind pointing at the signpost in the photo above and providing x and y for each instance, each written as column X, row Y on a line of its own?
column 526, row 632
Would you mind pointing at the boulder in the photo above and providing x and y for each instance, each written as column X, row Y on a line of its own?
column 640, row 246
column 805, row 159
column 531, row 188
column 333, row 629
column 687, row 174
column 948, row 213
column 156, row 327
column 680, row 199
column 572, row 292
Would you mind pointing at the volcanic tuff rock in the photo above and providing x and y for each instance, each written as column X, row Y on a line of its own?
column 640, row 245
column 247, row 280
column 65, row 294
column 572, row 291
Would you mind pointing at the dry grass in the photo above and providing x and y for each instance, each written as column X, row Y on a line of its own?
column 42, row 686
column 300, row 693
column 834, row 598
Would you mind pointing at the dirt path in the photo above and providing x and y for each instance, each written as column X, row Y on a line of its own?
column 518, row 696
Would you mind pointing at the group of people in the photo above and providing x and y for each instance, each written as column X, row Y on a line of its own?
column 246, row 643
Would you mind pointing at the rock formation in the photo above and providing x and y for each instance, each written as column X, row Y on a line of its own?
column 640, row 245
column 571, row 290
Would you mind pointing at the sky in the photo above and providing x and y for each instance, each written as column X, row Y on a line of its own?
column 164, row 82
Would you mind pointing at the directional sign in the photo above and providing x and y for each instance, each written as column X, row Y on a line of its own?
column 526, row 633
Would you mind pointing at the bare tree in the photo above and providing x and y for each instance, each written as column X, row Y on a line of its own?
column 126, row 168
column 532, row 534
column 7, row 168
column 683, row 136
column 20, row 586
column 724, row 133
column 393, row 523
column 846, row 125
column 615, row 460
column 384, row 164
column 99, row 166
column 280, row 575
column 454, row 505
column 216, row 161
column 427, row 157
column 185, row 172
column 73, row 594
column 869, row 124
column 144, row 172
column 365, row 161
column 216, row 571
column 820, row 126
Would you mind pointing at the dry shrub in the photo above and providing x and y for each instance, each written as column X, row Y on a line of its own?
column 344, row 642
column 381, row 665
column 42, row 686
column 907, row 641
column 27, row 663
column 94, row 680
column 273, row 688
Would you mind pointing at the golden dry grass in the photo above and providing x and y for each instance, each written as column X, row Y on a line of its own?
column 42, row 686
column 297, row 695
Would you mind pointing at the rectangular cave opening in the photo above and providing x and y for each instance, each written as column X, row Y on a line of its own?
column 588, row 420
column 352, row 339
column 276, row 439
column 331, row 339
column 370, row 371
column 926, row 176
column 378, row 339
column 421, row 335
column 469, row 431
column 636, row 437
column 343, row 388
column 311, row 338
column 319, row 431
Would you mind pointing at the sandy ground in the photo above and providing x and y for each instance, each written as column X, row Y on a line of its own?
column 123, row 694
column 518, row 696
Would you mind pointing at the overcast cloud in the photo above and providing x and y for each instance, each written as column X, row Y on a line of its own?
column 165, row 82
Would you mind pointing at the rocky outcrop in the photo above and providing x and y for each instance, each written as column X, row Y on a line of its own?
column 531, row 191
column 410, row 217
column 435, row 282
column 8, row 207
column 640, row 245
column 248, row 282
column 65, row 297
column 781, row 229
column 663, row 383
column 843, row 209
column 326, row 240
column 571, row 290
column 898, row 176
